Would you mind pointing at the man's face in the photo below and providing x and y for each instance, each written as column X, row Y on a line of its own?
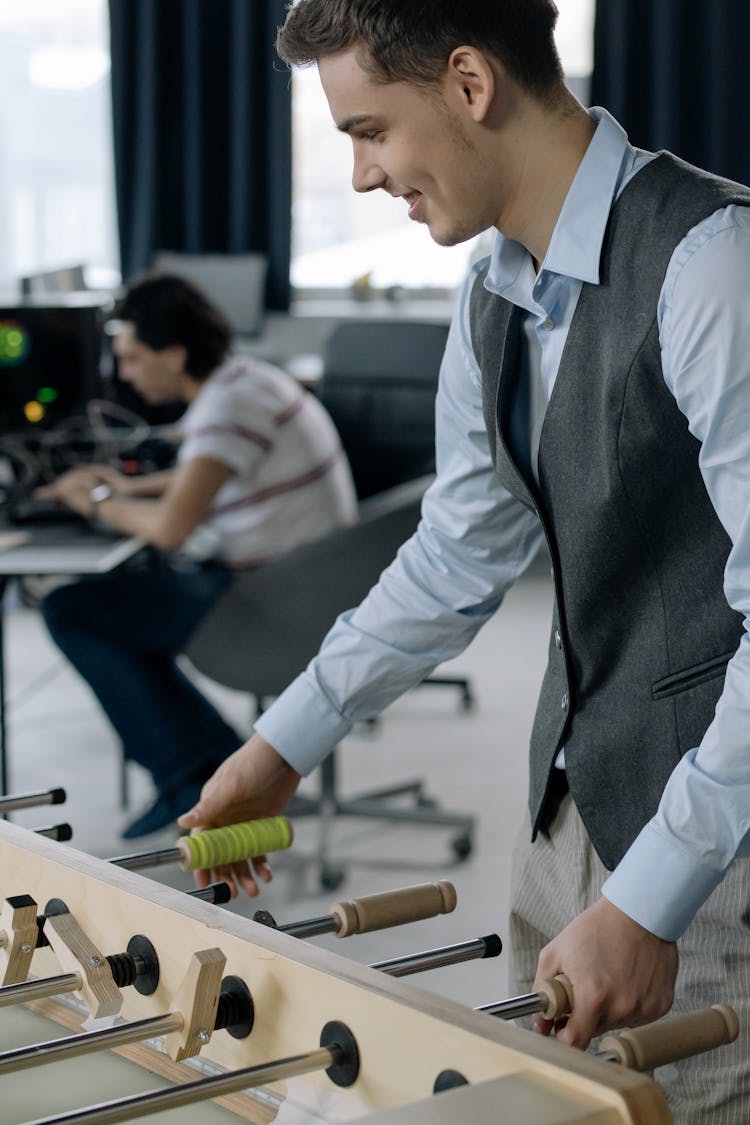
column 412, row 144
column 155, row 375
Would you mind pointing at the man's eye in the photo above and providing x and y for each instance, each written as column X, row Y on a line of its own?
column 371, row 134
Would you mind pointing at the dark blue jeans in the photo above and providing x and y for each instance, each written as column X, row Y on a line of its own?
column 122, row 632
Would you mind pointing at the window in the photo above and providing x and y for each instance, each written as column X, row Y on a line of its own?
column 342, row 240
column 57, row 201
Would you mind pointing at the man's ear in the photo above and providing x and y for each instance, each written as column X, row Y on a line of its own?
column 472, row 79
column 176, row 356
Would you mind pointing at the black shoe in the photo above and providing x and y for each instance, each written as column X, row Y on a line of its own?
column 164, row 811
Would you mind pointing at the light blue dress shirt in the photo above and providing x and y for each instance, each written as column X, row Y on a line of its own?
column 474, row 539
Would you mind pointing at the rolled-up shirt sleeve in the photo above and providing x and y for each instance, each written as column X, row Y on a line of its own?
column 703, row 820
column 472, row 542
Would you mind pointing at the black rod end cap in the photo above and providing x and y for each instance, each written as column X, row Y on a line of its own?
column 346, row 1071
column 492, row 945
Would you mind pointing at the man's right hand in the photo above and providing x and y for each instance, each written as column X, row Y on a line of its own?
column 254, row 782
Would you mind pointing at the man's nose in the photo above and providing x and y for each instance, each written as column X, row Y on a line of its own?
column 367, row 175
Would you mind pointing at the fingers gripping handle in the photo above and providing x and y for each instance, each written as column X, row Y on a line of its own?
column 558, row 992
column 393, row 908
column 219, row 847
column 644, row 1048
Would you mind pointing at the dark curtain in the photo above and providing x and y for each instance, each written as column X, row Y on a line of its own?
column 676, row 74
column 202, row 131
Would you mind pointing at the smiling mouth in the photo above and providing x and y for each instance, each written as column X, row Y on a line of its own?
column 414, row 198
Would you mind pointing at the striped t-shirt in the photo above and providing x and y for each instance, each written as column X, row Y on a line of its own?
column 291, row 480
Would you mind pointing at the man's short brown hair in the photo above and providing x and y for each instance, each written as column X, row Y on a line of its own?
column 166, row 310
column 412, row 40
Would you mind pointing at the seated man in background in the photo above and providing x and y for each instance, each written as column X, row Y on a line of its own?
column 259, row 470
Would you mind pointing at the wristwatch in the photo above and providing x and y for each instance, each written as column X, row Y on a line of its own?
column 99, row 493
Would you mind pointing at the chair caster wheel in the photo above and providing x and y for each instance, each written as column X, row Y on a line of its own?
column 331, row 878
column 462, row 847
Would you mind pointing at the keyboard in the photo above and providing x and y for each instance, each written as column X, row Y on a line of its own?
column 34, row 509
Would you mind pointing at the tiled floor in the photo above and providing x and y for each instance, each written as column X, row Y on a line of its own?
column 474, row 762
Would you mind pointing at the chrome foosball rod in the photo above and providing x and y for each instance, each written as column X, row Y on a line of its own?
column 88, row 1042
column 337, row 1055
column 137, row 1030
column 393, row 908
column 218, row 894
column 22, row 933
column 16, row 801
column 205, row 1004
column 640, row 1048
column 139, row 969
column 477, row 949
column 643, row 1049
column 216, row 847
column 60, row 832
column 372, row 912
column 552, row 1001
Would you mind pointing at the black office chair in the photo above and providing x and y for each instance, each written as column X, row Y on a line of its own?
column 270, row 622
column 379, row 383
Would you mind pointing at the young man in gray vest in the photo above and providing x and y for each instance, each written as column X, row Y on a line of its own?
column 595, row 394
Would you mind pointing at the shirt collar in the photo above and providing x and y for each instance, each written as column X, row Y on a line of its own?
column 576, row 244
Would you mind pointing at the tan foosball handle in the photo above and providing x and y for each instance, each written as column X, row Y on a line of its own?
column 558, row 993
column 678, row 1037
column 393, row 908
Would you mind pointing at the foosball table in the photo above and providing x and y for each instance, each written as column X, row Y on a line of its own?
column 171, row 1003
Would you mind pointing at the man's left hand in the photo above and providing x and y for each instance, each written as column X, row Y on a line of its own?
column 622, row 975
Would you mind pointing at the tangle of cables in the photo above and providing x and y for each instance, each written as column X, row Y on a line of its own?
column 100, row 435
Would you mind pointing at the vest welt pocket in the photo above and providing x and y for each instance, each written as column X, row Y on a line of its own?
column 690, row 677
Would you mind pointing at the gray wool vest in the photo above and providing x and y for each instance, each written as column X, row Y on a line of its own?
column 641, row 631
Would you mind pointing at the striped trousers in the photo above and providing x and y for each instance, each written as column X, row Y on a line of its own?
column 560, row 875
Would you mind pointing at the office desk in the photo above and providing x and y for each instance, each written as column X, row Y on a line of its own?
column 68, row 549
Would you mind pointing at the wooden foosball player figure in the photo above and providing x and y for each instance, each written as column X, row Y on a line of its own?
column 241, row 1020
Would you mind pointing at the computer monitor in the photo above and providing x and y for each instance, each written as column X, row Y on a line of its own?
column 50, row 357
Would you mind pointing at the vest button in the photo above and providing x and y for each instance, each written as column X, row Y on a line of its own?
column 558, row 639
column 548, row 324
column 564, row 701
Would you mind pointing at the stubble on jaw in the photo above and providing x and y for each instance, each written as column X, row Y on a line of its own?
column 465, row 151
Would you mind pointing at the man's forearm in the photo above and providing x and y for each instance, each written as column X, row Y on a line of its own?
column 137, row 517
column 150, row 485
